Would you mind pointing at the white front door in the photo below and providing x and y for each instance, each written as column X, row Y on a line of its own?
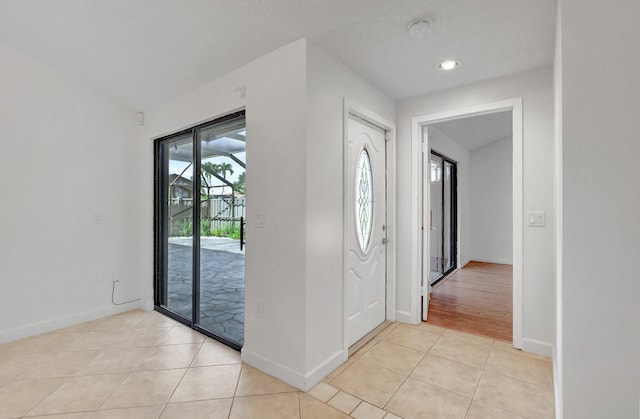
column 366, row 228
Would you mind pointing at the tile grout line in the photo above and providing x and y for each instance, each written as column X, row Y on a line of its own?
column 72, row 376
column 358, row 405
column 123, row 381
column 67, row 379
column 177, row 385
column 496, row 407
column 133, row 370
column 336, row 408
column 407, row 377
column 163, row 409
column 196, row 355
column 480, row 378
column 549, row 388
column 235, row 391
column 481, row 375
column 410, row 347
column 123, row 331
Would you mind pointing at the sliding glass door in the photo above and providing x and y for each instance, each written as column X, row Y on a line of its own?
column 442, row 216
column 200, row 213
column 177, row 220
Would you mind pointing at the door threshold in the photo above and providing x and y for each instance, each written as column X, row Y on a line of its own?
column 368, row 337
column 437, row 283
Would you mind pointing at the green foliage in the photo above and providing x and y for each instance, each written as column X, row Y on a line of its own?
column 205, row 227
column 187, row 228
column 224, row 168
column 231, row 230
column 239, row 185
column 215, row 168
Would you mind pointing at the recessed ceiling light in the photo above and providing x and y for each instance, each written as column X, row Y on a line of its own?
column 447, row 65
column 420, row 27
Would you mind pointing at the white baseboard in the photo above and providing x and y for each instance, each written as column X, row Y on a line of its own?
column 147, row 305
column 405, row 317
column 296, row 379
column 537, row 347
column 316, row 375
column 491, row 260
column 462, row 265
column 64, row 321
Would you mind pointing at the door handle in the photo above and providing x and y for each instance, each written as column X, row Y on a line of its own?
column 385, row 241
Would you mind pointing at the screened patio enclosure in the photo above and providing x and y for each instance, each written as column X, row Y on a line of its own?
column 200, row 221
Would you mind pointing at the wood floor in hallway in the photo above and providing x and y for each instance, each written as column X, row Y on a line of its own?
column 476, row 299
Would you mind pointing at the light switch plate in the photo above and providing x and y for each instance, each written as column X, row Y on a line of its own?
column 535, row 218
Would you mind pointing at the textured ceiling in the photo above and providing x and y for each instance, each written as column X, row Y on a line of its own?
column 477, row 131
column 492, row 38
column 146, row 52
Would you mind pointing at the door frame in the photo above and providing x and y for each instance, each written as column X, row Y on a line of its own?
column 351, row 107
column 160, row 257
column 420, row 197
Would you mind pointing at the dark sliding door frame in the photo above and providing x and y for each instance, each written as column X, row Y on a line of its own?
column 453, row 216
column 161, row 229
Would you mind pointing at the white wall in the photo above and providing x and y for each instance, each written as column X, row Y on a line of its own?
column 491, row 202
column 276, row 181
column 329, row 83
column 67, row 155
column 447, row 146
column 600, row 289
column 535, row 87
column 294, row 109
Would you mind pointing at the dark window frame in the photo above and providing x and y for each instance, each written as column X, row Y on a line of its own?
column 453, row 214
column 160, row 255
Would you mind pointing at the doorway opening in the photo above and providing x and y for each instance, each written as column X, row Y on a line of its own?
column 199, row 227
column 476, row 298
column 485, row 141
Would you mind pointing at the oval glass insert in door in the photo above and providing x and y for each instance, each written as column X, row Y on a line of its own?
column 364, row 200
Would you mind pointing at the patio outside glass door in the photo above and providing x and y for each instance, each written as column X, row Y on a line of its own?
column 177, row 180
column 200, row 218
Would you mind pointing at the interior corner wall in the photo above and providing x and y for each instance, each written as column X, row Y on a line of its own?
column 329, row 82
column 600, row 204
column 443, row 144
column 67, row 160
column 276, row 183
column 558, row 364
column 491, row 202
column 535, row 87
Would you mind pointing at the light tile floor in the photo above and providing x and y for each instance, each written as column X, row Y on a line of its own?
column 144, row 365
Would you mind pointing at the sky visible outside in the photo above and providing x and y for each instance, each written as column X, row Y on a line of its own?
column 176, row 167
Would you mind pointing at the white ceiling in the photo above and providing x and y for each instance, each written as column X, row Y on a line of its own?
column 146, row 52
column 477, row 131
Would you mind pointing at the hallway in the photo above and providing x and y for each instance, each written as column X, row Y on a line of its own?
column 476, row 299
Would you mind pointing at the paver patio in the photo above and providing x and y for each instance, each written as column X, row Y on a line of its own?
column 221, row 284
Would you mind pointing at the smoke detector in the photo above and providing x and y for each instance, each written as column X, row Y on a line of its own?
column 420, row 27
